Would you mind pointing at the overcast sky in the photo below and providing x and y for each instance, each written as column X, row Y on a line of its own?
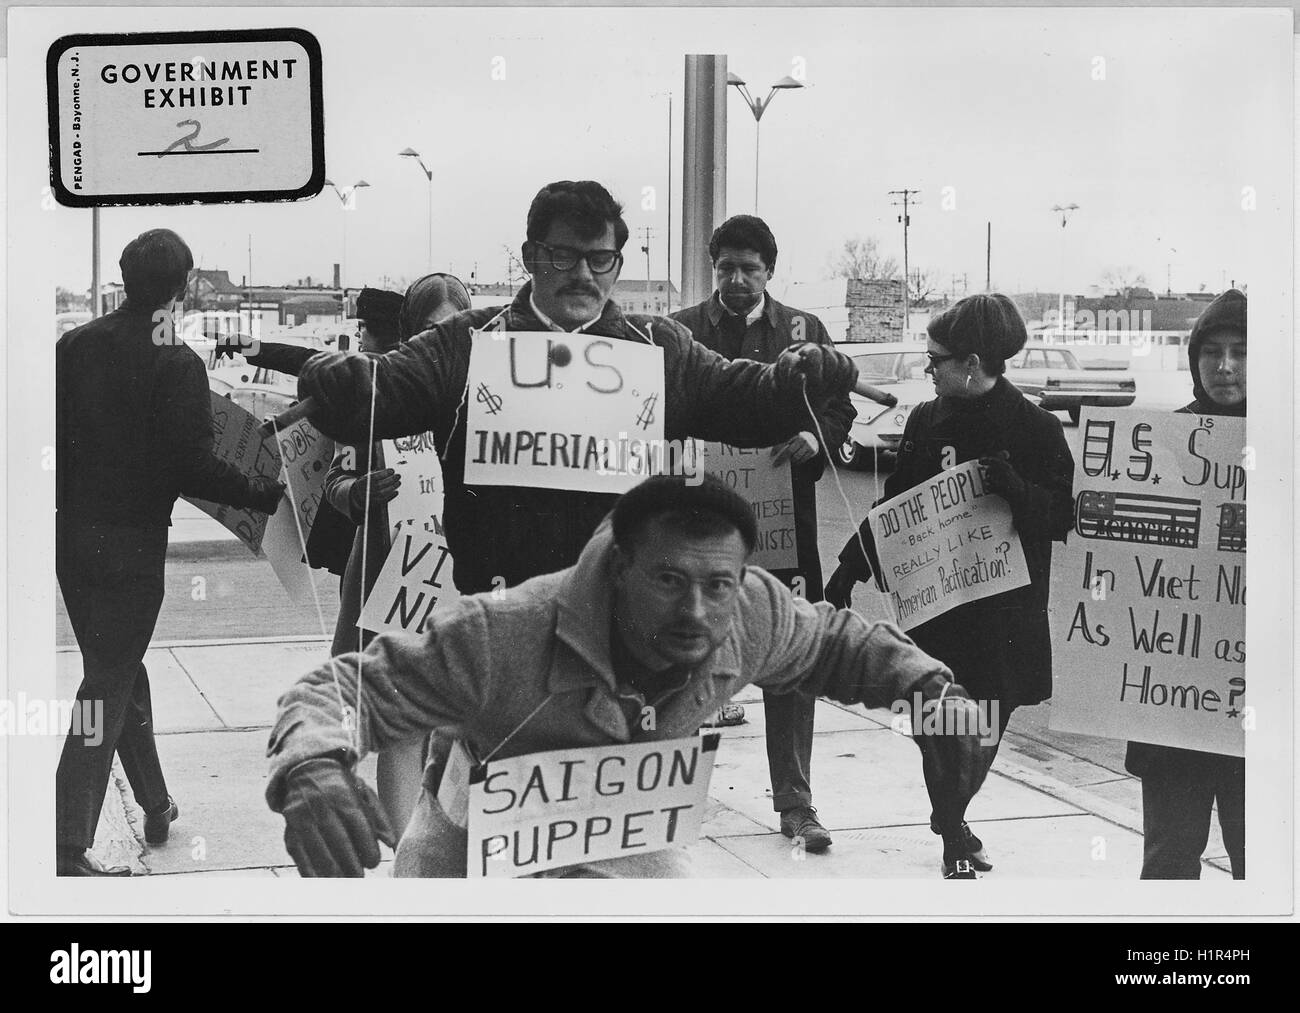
column 1000, row 105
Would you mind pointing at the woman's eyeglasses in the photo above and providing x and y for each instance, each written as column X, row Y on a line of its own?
column 934, row 360
column 565, row 258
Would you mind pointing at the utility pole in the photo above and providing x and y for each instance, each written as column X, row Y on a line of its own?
column 646, row 234
column 1065, row 217
column 988, row 257
column 96, row 310
column 907, row 199
column 668, row 243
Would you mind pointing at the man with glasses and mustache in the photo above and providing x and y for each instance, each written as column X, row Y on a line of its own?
column 506, row 534
column 741, row 320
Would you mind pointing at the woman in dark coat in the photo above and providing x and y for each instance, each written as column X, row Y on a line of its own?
column 999, row 648
column 1180, row 787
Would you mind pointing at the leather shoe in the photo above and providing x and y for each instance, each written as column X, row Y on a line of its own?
column 158, row 825
column 801, row 824
column 83, row 863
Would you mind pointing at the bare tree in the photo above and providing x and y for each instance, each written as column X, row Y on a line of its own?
column 1121, row 279
column 861, row 259
column 923, row 282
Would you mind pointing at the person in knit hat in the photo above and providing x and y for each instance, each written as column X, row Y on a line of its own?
column 1181, row 786
column 379, row 312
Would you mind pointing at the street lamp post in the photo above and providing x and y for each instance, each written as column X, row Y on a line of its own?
column 758, row 107
column 1064, row 210
column 348, row 201
column 428, row 175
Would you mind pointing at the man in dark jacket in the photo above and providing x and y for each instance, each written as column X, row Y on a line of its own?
column 502, row 535
column 740, row 320
column 134, row 431
column 1180, row 786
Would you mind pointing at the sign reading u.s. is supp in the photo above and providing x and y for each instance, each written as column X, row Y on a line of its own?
column 1148, row 599
column 186, row 117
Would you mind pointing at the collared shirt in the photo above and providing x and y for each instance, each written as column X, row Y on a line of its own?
column 552, row 325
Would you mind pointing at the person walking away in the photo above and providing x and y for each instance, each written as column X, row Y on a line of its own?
column 134, row 431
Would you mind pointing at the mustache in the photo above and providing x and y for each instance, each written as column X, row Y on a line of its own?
column 579, row 289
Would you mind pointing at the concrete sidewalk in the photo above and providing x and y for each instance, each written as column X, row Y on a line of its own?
column 1043, row 813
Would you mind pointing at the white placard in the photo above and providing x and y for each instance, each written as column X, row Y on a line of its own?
column 945, row 542
column 415, row 579
column 420, row 495
column 768, row 489
column 562, row 411
column 238, row 440
column 541, row 811
column 1148, row 598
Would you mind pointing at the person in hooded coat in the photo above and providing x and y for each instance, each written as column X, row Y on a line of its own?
column 1000, row 646
column 1180, row 786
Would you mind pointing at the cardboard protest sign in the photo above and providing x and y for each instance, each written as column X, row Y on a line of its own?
column 541, row 811
column 562, row 411
column 1148, row 597
column 418, row 504
column 946, row 542
column 769, row 491
column 415, row 579
column 305, row 454
column 236, row 439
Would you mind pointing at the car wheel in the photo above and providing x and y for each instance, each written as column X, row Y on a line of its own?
column 852, row 456
column 1074, row 415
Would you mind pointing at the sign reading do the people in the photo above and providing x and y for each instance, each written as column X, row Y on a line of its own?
column 563, row 411
column 541, row 811
column 769, row 491
column 1148, row 597
column 186, row 117
column 945, row 542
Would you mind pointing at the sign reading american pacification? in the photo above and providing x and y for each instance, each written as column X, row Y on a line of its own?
column 186, row 117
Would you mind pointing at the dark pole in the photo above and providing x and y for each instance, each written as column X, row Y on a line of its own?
column 988, row 259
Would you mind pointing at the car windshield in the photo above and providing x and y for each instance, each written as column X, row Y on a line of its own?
column 890, row 367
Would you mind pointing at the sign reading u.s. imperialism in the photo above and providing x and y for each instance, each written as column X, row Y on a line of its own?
column 563, row 411
column 541, row 811
column 945, row 542
column 1148, row 597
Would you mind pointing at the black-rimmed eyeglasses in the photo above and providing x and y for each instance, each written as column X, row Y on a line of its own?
column 565, row 258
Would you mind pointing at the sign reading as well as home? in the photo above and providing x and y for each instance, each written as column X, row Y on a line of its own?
column 541, row 811
column 562, row 411
column 186, row 117
column 945, row 542
column 1148, row 596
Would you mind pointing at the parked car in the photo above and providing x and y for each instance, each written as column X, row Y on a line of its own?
column 897, row 368
column 68, row 319
column 1053, row 375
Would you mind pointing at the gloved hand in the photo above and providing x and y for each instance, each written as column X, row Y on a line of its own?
column 1001, row 478
column 798, row 448
column 952, row 754
column 825, row 371
column 264, row 493
column 839, row 589
column 383, row 485
column 332, row 820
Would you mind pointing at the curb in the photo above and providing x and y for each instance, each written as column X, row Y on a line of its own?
column 216, row 548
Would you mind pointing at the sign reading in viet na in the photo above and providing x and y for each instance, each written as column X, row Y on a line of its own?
column 945, row 542
column 541, row 811
column 186, row 117
column 1148, row 597
column 563, row 411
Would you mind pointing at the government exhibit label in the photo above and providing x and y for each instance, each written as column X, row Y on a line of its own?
column 185, row 117
column 946, row 542
column 1148, row 596
column 563, row 411
column 541, row 811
